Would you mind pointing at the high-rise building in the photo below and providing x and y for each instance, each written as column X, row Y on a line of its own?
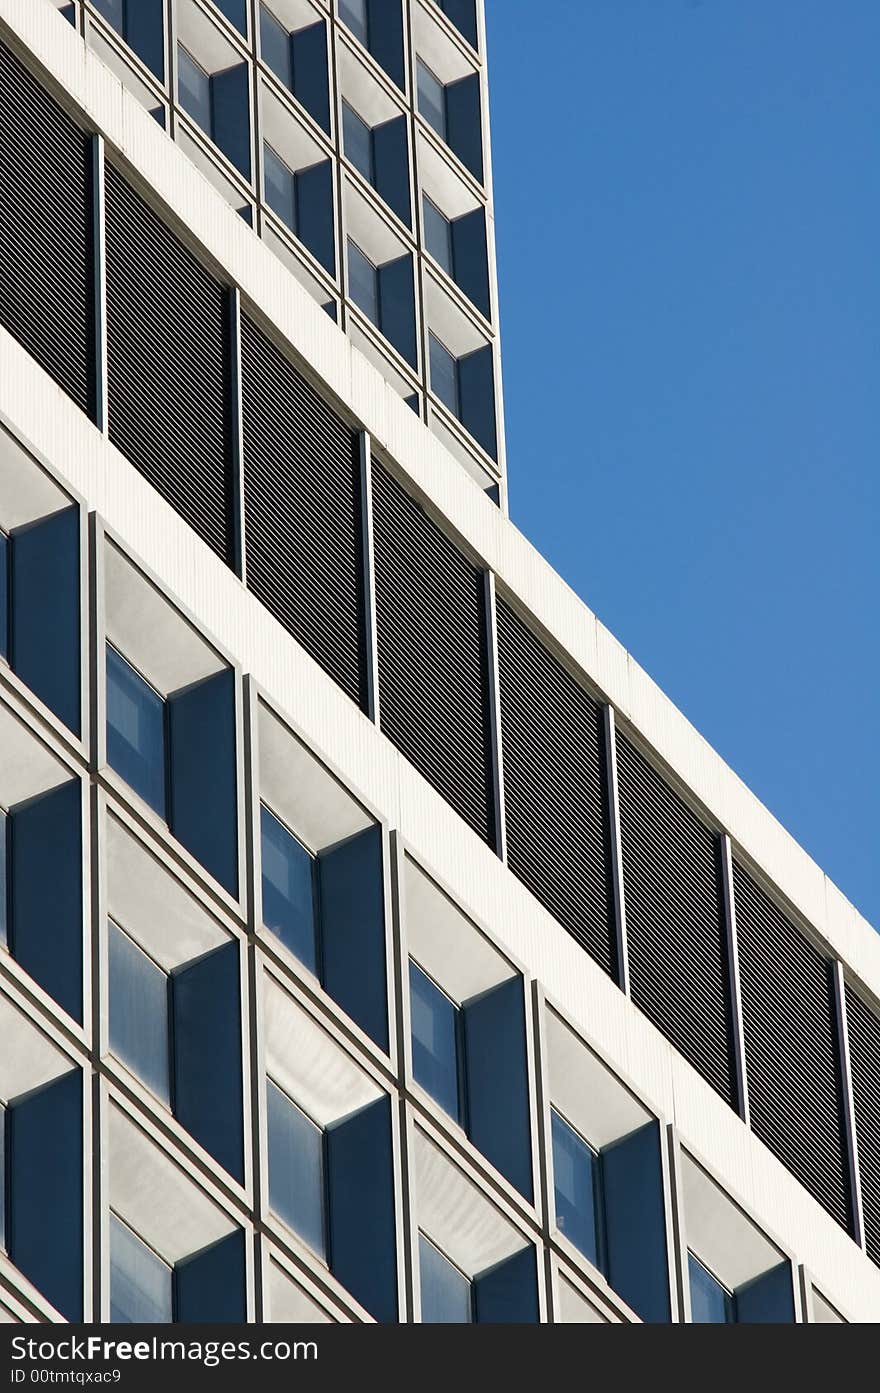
column 376, row 941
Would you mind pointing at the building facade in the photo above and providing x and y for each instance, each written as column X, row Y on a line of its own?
column 377, row 941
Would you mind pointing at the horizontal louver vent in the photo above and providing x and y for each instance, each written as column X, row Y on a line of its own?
column 46, row 270
column 168, row 365
column 864, row 1054
column 433, row 676
column 555, row 789
column 789, row 1024
column 302, row 501
column 675, row 919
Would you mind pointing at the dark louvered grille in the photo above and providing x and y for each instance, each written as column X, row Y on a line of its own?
column 675, row 919
column 864, row 1053
column 46, row 257
column 303, row 532
column 558, row 840
column 431, row 637
column 789, row 1024
column 168, row 367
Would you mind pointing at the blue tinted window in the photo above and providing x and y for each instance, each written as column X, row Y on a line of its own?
column 139, row 1029
column 141, row 1284
column 444, row 374
column 288, row 890
column 710, row 1303
column 432, row 99
column 136, row 731
column 280, row 187
column 2, row 1176
column 447, row 1295
column 436, row 1043
column 438, row 235
column 354, row 14
column 235, row 11
column 363, row 284
column 193, row 89
column 296, row 1168
column 357, row 139
column 275, row 46
column 113, row 11
column 575, row 1174
column 4, row 892
column 4, row 595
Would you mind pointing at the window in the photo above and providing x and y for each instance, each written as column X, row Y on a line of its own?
column 444, row 375
column 358, row 142
column 437, row 1044
column 136, row 731
column 711, row 1303
column 280, row 183
column 113, row 11
column 447, row 1295
column 438, row 235
column 576, row 1184
column 354, row 14
column 194, row 89
column 275, row 47
column 363, row 282
column 2, row 1178
column 234, row 10
column 4, row 595
column 139, row 1012
column 4, row 902
column 296, row 1169
column 141, row 1284
column 288, row 889
column 431, row 98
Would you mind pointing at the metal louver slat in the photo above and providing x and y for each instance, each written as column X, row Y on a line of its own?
column 168, row 365
column 302, row 503
column 46, row 250
column 558, row 840
column 791, row 1045
column 864, row 1055
column 675, row 927
column 431, row 639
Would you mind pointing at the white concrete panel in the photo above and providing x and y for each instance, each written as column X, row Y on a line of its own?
column 457, row 1216
column 26, row 491
column 149, row 632
column 154, row 1196
column 287, row 136
column 446, row 944
column 27, row 767
column 719, row 1233
column 361, row 90
column 434, row 46
column 28, row 1059
column 575, row 1309
column 289, row 1303
column 152, row 906
column 824, row 1313
column 308, row 1065
column 585, row 1091
column 203, row 39
column 301, row 791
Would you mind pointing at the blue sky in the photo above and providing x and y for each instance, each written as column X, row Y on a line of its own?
column 687, row 199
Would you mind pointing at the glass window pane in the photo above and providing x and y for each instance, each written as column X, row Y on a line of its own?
column 113, row 12
column 296, row 1168
column 135, row 731
column 138, row 992
column 193, row 89
column 436, row 1031
column 234, row 10
column 362, row 282
column 2, row 1177
column 710, row 1303
column 141, row 1284
column 4, row 845
column 575, row 1179
column 354, row 14
column 280, row 187
column 275, row 46
column 438, row 235
column 288, row 890
column 4, row 595
column 447, row 1295
column 357, row 141
column 444, row 374
column 432, row 98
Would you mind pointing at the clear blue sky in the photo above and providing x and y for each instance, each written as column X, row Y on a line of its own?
column 687, row 204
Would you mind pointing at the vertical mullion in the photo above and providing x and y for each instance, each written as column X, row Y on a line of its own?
column 734, row 988
column 496, row 772
column 848, row 1103
column 99, row 283
column 239, row 560
column 613, row 808
column 368, row 576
